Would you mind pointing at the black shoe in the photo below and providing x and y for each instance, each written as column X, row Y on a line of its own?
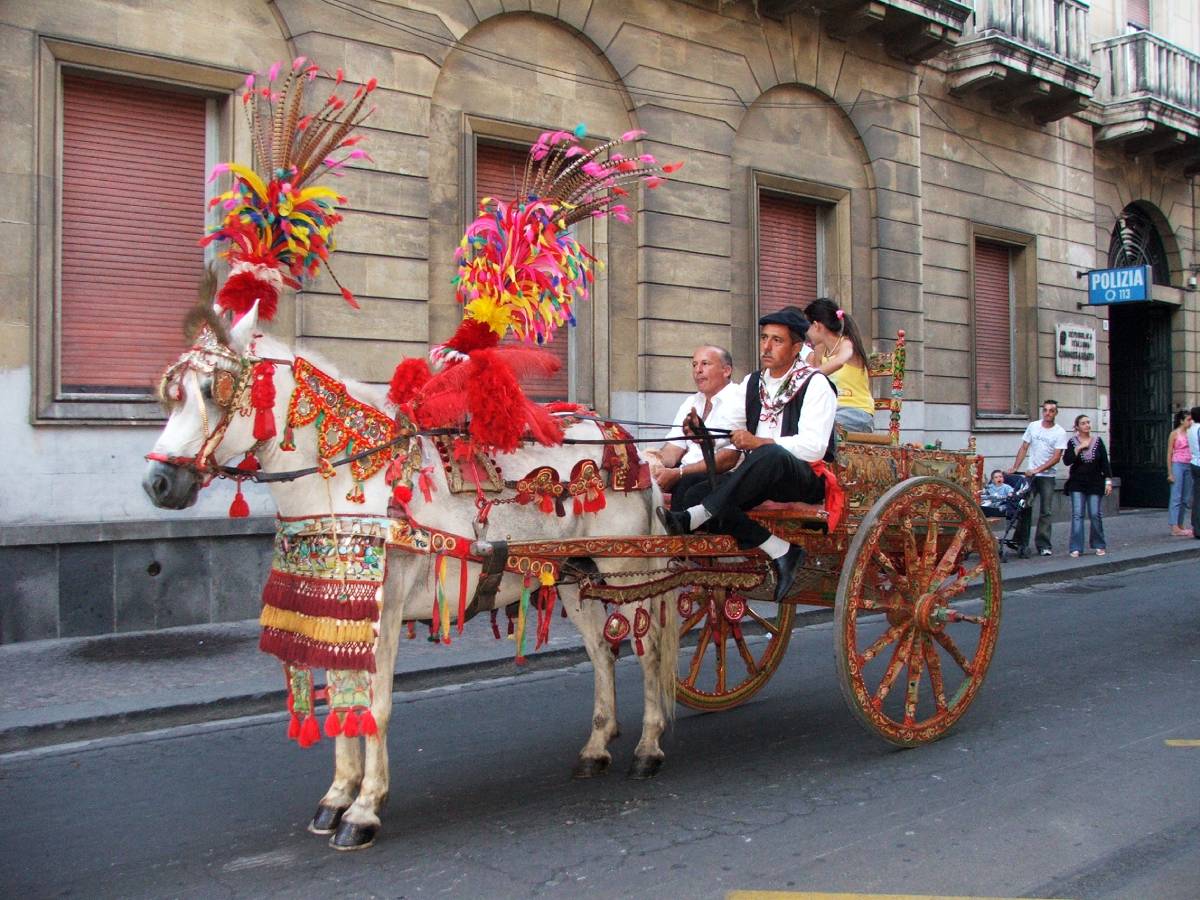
column 675, row 522
column 1023, row 553
column 785, row 571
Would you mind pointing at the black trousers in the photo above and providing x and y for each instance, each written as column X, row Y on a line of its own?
column 680, row 492
column 768, row 473
column 1195, row 499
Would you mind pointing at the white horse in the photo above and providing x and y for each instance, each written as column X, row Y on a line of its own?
column 200, row 435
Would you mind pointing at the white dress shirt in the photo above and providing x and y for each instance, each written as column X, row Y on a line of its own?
column 728, row 412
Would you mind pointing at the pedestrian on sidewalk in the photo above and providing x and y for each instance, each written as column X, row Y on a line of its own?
column 1193, row 439
column 1043, row 442
column 1179, row 473
column 1089, row 479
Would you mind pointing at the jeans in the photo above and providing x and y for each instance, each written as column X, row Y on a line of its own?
column 1181, row 494
column 1043, row 489
column 1091, row 503
column 855, row 419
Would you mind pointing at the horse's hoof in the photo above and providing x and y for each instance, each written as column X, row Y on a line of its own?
column 326, row 819
column 352, row 836
column 587, row 767
column 645, row 766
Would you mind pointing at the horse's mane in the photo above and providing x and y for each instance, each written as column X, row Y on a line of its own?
column 203, row 314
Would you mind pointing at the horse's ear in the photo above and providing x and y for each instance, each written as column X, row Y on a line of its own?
column 242, row 331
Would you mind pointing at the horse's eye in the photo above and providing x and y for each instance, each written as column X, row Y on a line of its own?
column 206, row 388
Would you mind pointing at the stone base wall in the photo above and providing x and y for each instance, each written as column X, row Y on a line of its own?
column 100, row 578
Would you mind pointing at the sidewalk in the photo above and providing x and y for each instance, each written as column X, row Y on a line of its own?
column 82, row 688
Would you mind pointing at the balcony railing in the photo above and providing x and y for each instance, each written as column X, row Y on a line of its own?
column 1142, row 64
column 1057, row 27
column 1031, row 55
column 1149, row 96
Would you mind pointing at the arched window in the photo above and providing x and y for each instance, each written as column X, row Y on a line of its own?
column 1136, row 242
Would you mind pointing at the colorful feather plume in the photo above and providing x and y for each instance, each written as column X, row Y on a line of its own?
column 278, row 225
column 520, row 268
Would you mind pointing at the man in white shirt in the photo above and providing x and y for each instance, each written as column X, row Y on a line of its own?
column 718, row 403
column 789, row 409
column 1044, row 443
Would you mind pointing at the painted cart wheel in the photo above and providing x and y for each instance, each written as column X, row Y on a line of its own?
column 729, row 661
column 909, row 663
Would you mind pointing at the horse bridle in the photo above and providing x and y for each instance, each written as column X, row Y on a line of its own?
column 231, row 375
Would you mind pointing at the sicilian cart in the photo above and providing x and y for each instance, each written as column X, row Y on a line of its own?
column 912, row 540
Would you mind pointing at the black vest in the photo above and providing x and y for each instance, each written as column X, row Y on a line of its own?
column 791, row 411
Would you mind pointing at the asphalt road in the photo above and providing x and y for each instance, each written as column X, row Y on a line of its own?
column 1059, row 782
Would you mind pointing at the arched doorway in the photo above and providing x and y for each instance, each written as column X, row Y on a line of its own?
column 1140, row 367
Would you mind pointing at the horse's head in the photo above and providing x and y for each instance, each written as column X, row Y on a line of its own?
column 207, row 396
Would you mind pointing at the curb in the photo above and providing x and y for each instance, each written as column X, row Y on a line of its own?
column 44, row 734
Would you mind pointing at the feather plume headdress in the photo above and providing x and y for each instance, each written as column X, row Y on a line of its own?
column 520, row 268
column 278, row 224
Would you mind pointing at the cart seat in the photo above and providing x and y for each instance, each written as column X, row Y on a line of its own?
column 772, row 511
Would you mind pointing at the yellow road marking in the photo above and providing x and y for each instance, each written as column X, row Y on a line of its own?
column 1182, row 742
column 819, row 895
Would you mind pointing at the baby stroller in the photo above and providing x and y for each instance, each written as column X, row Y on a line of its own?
column 1011, row 509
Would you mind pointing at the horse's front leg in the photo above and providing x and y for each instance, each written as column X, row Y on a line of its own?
column 360, row 823
column 588, row 617
column 347, row 776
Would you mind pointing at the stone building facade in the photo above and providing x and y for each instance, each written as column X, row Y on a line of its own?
column 959, row 166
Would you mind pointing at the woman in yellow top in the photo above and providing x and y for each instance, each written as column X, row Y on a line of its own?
column 838, row 351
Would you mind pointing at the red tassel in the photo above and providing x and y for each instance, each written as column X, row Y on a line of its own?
column 333, row 726
column 412, row 630
column 250, row 463
column 351, row 727
column 662, row 613
column 547, row 504
column 309, row 732
column 367, row 726
column 239, row 508
column 262, row 398
column 495, row 625
column 293, row 727
column 577, row 507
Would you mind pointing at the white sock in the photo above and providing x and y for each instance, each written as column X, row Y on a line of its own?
column 775, row 547
column 699, row 515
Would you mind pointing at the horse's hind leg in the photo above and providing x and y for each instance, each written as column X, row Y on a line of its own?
column 588, row 617
column 661, row 650
column 347, row 776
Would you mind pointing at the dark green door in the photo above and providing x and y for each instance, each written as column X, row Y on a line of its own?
column 1140, row 374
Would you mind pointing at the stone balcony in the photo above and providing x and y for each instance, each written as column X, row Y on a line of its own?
column 912, row 30
column 1149, row 98
column 1026, row 55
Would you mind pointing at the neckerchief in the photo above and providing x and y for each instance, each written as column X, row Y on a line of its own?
column 772, row 407
column 1088, row 455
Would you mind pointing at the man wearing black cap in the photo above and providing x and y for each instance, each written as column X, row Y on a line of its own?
column 790, row 409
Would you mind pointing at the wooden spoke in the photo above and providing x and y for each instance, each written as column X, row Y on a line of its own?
column 884, row 639
column 722, row 629
column 895, row 664
column 934, row 665
column 767, row 625
column 747, row 657
column 698, row 656
column 904, row 564
column 915, row 655
column 691, row 620
column 950, row 647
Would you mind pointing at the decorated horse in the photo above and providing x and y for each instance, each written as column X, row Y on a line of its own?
column 385, row 501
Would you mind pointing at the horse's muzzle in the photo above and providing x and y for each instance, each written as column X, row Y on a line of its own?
column 170, row 487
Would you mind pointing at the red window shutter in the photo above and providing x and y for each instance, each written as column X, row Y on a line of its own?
column 993, row 328
column 132, row 213
column 499, row 170
column 787, row 252
column 1137, row 12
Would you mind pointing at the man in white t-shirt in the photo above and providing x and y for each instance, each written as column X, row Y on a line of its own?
column 718, row 403
column 1044, row 443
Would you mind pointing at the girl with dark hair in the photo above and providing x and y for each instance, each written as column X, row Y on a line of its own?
column 1179, row 473
column 838, row 352
column 1090, row 478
